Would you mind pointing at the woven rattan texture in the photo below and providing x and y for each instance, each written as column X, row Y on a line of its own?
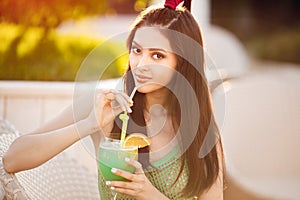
column 60, row 178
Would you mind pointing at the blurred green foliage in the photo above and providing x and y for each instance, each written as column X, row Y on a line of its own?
column 56, row 57
column 30, row 49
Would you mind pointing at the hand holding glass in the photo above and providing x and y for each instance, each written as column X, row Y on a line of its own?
column 112, row 154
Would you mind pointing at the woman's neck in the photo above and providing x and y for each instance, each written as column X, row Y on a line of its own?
column 157, row 97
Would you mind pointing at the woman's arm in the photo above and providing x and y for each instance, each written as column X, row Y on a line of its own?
column 29, row 151
column 33, row 149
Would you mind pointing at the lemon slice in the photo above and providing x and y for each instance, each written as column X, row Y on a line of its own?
column 137, row 139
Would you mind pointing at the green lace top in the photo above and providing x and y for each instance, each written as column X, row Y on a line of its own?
column 162, row 175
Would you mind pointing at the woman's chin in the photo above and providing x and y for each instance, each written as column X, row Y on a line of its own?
column 144, row 89
column 148, row 88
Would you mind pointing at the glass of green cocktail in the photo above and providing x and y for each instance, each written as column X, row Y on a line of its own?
column 112, row 154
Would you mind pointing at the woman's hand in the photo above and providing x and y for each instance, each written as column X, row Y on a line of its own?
column 108, row 104
column 138, row 186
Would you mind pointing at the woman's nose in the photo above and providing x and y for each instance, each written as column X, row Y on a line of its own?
column 143, row 63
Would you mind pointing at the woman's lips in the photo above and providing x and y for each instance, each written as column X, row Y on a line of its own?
column 142, row 78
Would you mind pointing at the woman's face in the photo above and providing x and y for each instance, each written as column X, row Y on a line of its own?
column 151, row 60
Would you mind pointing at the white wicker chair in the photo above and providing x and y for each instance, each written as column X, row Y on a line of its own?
column 59, row 178
column 261, row 134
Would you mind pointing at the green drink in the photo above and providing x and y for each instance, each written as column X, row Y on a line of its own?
column 112, row 154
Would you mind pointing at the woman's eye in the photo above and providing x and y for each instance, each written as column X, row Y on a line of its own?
column 158, row 56
column 135, row 50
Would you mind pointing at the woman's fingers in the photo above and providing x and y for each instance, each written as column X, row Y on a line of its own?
column 129, row 176
column 124, row 191
column 127, row 98
column 137, row 183
column 125, row 106
column 119, row 100
column 108, row 104
column 124, row 184
column 137, row 165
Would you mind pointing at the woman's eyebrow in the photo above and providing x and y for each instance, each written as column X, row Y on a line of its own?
column 157, row 49
column 135, row 43
column 150, row 49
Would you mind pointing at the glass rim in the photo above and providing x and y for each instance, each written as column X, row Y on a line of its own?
column 115, row 141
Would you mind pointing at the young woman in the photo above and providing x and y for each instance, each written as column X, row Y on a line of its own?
column 172, row 106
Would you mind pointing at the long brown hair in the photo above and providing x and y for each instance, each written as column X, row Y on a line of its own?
column 204, row 171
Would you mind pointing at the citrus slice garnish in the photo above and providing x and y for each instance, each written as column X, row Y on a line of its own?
column 137, row 139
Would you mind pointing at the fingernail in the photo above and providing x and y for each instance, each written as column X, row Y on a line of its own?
column 129, row 110
column 112, row 188
column 130, row 101
column 127, row 159
column 114, row 170
column 107, row 182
